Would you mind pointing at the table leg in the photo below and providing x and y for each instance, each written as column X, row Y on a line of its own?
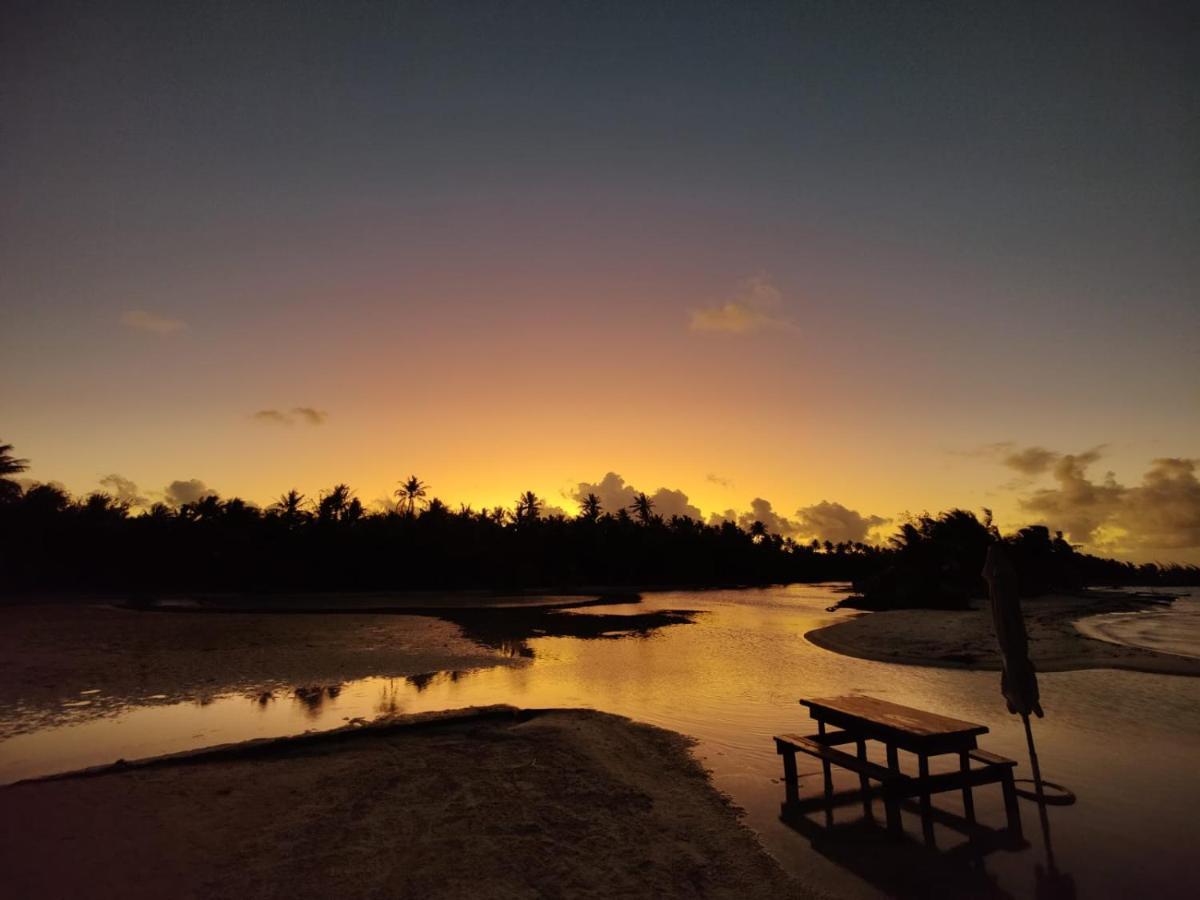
column 926, row 809
column 825, row 768
column 964, row 763
column 864, row 783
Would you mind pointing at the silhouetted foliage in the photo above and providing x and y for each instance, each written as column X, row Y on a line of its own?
column 51, row 541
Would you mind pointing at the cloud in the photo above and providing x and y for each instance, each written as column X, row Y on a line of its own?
column 754, row 307
column 615, row 494
column 177, row 493
column 717, row 479
column 123, row 490
column 760, row 511
column 27, row 484
column 310, row 416
column 828, row 521
column 141, row 320
column 1031, row 460
column 824, row 521
column 1161, row 513
column 304, row 414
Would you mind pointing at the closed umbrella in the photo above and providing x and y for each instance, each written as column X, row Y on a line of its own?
column 1018, row 680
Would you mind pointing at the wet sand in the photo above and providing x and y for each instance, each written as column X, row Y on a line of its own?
column 500, row 804
column 965, row 639
column 82, row 657
column 59, row 660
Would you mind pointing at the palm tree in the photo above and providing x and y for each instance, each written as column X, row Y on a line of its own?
column 529, row 506
column 333, row 505
column 758, row 532
column 642, row 507
column 589, row 508
column 10, row 465
column 289, row 507
column 411, row 493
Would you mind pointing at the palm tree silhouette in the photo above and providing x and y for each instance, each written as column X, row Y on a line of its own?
column 334, row 505
column 411, row 493
column 642, row 507
column 10, row 465
column 289, row 507
column 529, row 506
column 589, row 508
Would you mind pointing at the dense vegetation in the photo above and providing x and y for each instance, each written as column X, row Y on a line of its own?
column 51, row 541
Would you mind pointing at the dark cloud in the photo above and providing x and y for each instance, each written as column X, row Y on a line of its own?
column 1162, row 513
column 615, row 494
column 828, row 521
column 717, row 479
column 1031, row 460
column 305, row 414
column 178, row 493
column 123, row 490
column 824, row 521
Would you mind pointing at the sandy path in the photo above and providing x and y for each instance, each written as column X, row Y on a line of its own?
column 558, row 803
column 965, row 639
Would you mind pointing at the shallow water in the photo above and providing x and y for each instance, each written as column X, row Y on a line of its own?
column 1174, row 628
column 1125, row 742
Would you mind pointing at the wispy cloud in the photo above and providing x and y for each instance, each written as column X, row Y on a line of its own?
column 304, row 414
column 123, row 490
column 309, row 415
column 142, row 320
column 755, row 306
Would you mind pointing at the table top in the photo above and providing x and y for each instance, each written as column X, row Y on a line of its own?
column 903, row 725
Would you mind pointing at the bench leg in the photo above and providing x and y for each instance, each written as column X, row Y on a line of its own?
column 890, row 802
column 1011, row 808
column 926, row 811
column 791, row 782
column 863, row 783
column 964, row 760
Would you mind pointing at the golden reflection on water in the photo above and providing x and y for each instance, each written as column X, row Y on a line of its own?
column 732, row 680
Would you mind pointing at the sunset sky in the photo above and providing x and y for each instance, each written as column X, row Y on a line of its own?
column 847, row 259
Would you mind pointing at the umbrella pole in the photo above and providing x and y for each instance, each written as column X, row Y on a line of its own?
column 1041, row 796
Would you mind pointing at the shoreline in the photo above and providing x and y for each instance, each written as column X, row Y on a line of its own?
column 963, row 639
column 561, row 801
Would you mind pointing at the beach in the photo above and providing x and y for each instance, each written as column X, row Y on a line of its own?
column 78, row 659
column 965, row 639
column 495, row 802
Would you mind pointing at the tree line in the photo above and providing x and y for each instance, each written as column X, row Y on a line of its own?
column 52, row 541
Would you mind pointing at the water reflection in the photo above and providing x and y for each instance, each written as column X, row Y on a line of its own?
column 313, row 696
column 732, row 680
column 510, row 629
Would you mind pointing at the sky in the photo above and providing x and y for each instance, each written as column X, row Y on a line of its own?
column 829, row 263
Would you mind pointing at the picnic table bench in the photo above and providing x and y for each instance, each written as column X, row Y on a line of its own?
column 925, row 734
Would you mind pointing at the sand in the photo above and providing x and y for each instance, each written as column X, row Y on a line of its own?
column 965, row 639
column 51, row 654
column 504, row 804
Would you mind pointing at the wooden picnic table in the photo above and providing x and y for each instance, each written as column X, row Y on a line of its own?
column 917, row 731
